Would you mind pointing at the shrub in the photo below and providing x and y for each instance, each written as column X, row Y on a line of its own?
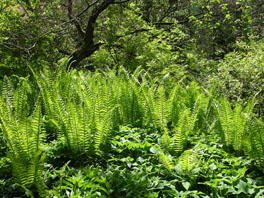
column 241, row 73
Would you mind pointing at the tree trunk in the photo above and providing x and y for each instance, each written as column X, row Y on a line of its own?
column 80, row 54
column 88, row 47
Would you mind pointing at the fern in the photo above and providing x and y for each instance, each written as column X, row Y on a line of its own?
column 188, row 160
column 256, row 149
column 179, row 136
column 226, row 121
column 239, row 124
column 166, row 142
column 207, row 119
column 102, row 132
column 137, row 114
column 175, row 104
column 102, row 116
column 149, row 98
column 233, row 123
column 25, row 137
column 165, row 161
column 8, row 93
column 185, row 126
column 161, row 108
column 84, row 113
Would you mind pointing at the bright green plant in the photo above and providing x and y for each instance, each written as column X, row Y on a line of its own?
column 75, row 112
column 241, row 130
column 24, row 135
column 233, row 123
column 254, row 142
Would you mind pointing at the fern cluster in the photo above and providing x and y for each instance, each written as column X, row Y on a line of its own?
column 85, row 109
column 254, row 141
column 186, row 162
column 24, row 133
column 241, row 130
column 232, row 124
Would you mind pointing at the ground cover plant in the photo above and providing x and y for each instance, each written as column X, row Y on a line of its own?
column 116, row 134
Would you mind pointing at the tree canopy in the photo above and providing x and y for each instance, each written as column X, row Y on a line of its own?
column 122, row 31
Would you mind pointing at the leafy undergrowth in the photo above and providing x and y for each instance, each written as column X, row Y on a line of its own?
column 69, row 134
column 132, row 168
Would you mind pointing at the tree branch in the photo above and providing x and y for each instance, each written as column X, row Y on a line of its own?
column 64, row 52
column 120, row 2
column 89, row 32
column 90, row 5
column 72, row 18
column 88, row 46
column 163, row 23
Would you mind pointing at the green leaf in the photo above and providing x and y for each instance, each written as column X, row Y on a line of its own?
column 186, row 185
column 242, row 186
column 154, row 150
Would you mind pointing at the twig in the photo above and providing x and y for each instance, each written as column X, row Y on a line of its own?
column 82, row 12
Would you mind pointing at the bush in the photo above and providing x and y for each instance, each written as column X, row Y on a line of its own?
column 241, row 73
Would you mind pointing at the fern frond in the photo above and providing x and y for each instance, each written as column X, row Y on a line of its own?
column 165, row 161
column 23, row 134
column 257, row 141
column 161, row 108
column 85, row 131
column 8, row 92
column 180, row 134
column 226, row 121
column 239, row 124
column 188, row 160
column 175, row 105
column 137, row 101
column 149, row 109
column 103, row 127
column 166, row 142
column 178, row 140
column 72, row 128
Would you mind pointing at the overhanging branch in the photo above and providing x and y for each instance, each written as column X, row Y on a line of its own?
column 88, row 46
column 120, row 2
column 75, row 21
column 87, row 8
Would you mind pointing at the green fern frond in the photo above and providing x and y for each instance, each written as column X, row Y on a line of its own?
column 72, row 128
column 233, row 123
column 137, row 109
column 165, row 161
column 85, row 131
column 188, row 160
column 161, row 108
column 149, row 110
column 166, row 142
column 239, row 124
column 8, row 92
column 103, row 128
column 175, row 104
column 181, row 132
column 257, row 141
column 178, row 140
column 226, row 121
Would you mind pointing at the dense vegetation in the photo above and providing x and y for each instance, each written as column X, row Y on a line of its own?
column 131, row 98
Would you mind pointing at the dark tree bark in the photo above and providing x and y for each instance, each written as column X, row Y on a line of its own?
column 83, row 52
column 89, row 47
